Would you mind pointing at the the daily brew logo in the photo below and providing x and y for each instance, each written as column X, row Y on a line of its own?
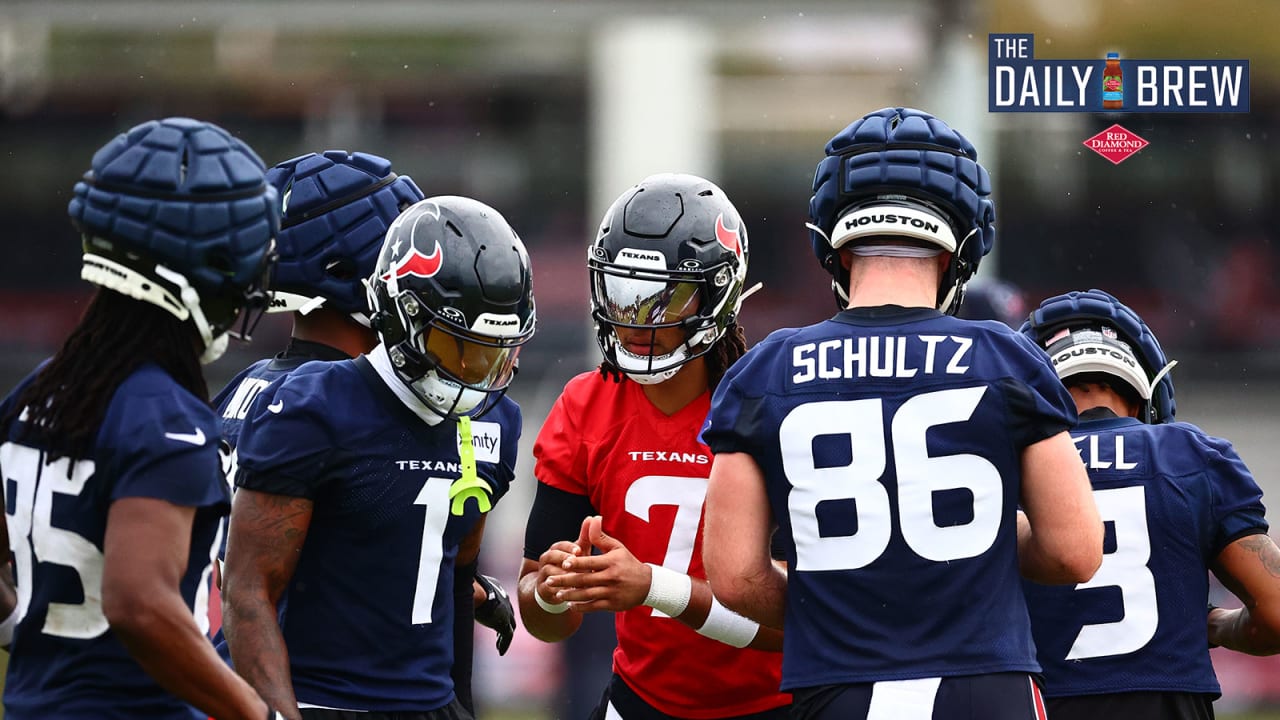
column 1018, row 82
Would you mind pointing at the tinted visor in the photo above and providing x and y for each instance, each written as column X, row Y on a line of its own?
column 647, row 299
column 476, row 361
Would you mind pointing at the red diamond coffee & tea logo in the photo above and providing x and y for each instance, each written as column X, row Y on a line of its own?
column 1115, row 144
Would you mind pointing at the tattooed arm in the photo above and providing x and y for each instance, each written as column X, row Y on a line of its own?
column 263, row 545
column 1250, row 568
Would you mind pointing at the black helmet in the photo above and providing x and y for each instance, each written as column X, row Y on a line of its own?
column 452, row 297
column 670, row 252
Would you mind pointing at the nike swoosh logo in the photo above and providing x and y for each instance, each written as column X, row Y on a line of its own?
column 276, row 406
column 195, row 438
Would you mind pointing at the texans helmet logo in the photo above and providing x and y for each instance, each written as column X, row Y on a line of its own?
column 727, row 237
column 415, row 263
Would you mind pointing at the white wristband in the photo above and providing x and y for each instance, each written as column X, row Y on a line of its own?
column 728, row 626
column 669, row 591
column 553, row 608
column 7, row 626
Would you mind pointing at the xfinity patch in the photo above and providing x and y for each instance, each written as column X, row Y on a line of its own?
column 486, row 438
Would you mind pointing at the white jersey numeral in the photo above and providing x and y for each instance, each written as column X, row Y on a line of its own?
column 1126, row 568
column 919, row 475
column 687, row 495
column 33, row 538
column 435, row 496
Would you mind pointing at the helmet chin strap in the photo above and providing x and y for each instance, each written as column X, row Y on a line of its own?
column 214, row 347
column 445, row 396
column 950, row 302
column 626, row 358
column 185, row 305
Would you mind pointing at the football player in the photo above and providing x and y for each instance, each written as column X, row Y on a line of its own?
column 1130, row 642
column 362, row 484
column 110, row 449
column 891, row 446
column 337, row 207
column 621, row 470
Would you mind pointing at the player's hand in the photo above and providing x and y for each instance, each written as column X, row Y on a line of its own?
column 551, row 564
column 496, row 611
column 613, row 580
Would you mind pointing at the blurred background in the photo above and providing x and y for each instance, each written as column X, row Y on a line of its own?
column 548, row 110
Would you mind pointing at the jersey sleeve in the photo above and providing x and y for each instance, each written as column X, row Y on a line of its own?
column 559, row 451
column 1237, row 500
column 286, row 440
column 1038, row 403
column 731, row 422
column 162, row 443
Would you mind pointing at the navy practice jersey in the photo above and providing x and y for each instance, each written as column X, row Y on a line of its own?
column 1171, row 499
column 233, row 405
column 157, row 440
column 891, row 440
column 369, row 614
column 235, row 399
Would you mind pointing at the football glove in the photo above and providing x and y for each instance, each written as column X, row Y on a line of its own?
column 496, row 611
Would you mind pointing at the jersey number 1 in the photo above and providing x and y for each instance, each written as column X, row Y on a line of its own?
column 435, row 496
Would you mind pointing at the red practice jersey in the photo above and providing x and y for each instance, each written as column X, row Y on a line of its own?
column 646, row 474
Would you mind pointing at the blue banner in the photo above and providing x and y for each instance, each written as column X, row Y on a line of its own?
column 1018, row 82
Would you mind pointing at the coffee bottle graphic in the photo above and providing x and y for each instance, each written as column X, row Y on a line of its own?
column 1112, row 83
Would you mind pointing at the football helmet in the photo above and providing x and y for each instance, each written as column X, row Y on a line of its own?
column 335, row 211
column 671, row 252
column 177, row 213
column 1092, row 331
column 452, row 297
column 993, row 300
column 900, row 171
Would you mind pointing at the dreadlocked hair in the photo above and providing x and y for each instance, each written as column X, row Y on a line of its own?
column 609, row 371
column 68, row 399
column 731, row 346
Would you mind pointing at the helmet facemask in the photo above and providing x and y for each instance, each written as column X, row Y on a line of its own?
column 633, row 304
column 454, row 370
